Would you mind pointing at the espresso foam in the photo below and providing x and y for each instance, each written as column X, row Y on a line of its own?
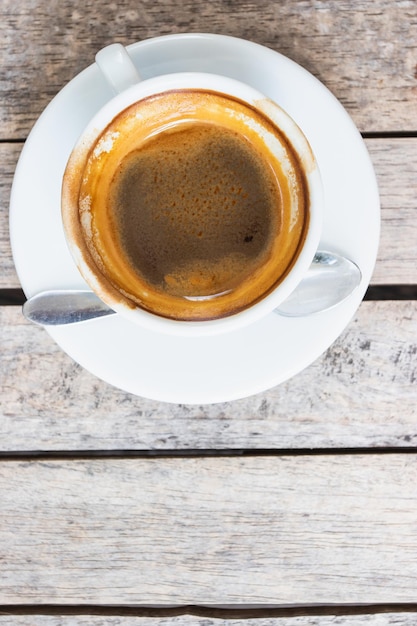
column 185, row 208
column 196, row 209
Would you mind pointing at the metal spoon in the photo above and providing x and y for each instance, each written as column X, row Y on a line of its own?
column 330, row 280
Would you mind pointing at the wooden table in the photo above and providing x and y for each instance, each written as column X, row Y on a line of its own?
column 296, row 506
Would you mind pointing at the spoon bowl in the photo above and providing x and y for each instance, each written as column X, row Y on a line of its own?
column 330, row 279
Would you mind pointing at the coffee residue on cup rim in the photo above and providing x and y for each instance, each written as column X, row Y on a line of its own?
column 286, row 126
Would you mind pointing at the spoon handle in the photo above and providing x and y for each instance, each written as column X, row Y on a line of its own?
column 53, row 308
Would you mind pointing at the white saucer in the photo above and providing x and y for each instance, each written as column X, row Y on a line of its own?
column 212, row 369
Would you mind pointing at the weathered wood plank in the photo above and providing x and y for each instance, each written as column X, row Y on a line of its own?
column 396, row 168
column 9, row 154
column 395, row 165
column 361, row 392
column 224, row 530
column 387, row 619
column 43, row 45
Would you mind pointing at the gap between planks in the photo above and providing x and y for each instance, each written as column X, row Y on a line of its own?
column 403, row 614
column 16, row 296
column 76, row 455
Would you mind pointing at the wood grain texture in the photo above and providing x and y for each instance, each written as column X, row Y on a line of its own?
column 230, row 530
column 361, row 393
column 211, row 531
column 396, row 168
column 350, row 45
column 9, row 154
column 395, row 162
column 389, row 619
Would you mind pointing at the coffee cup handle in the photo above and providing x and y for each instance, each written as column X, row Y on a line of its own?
column 117, row 67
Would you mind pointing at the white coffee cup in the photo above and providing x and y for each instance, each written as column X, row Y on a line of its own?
column 100, row 138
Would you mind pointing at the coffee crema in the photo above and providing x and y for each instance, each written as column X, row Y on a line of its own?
column 192, row 204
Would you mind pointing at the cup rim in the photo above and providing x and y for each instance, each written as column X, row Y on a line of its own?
column 221, row 84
